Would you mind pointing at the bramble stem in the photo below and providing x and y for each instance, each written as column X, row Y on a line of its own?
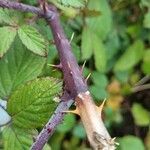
column 21, row 7
column 50, row 126
column 75, row 85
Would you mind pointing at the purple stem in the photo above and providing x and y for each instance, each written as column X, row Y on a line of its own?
column 23, row 7
column 73, row 78
column 55, row 119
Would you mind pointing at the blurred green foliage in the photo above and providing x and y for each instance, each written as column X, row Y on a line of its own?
column 113, row 36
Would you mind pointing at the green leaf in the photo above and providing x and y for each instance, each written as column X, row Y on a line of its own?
column 7, row 36
column 17, row 139
column 31, row 2
column 131, row 143
column 112, row 44
column 146, row 62
column 141, row 115
column 72, row 3
column 6, row 16
column 91, row 43
column 145, row 3
column 98, row 92
column 31, row 104
column 86, row 45
column 134, row 30
column 102, row 24
column 131, row 57
column 17, row 67
column 99, row 54
column 76, row 51
column 79, row 131
column 146, row 21
column 99, row 79
column 67, row 125
column 122, row 76
column 33, row 40
column 47, row 147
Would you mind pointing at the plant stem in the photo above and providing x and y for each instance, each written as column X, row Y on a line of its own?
column 141, row 88
column 73, row 78
column 23, row 7
column 143, row 80
column 50, row 126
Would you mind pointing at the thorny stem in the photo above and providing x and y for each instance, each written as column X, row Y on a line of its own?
column 75, row 86
column 73, row 79
column 21, row 7
column 97, row 134
column 50, row 126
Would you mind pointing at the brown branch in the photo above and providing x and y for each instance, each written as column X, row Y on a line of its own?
column 143, row 80
column 140, row 88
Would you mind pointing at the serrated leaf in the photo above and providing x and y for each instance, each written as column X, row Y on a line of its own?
column 131, row 57
column 5, row 17
column 7, row 36
column 17, row 139
column 33, row 40
column 99, row 54
column 102, row 24
column 18, row 66
column 131, row 143
column 31, row 104
column 140, row 115
column 72, row 3
column 86, row 45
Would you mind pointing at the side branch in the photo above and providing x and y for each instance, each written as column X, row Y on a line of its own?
column 23, row 7
column 55, row 119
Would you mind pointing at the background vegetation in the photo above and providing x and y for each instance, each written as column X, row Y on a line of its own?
column 113, row 36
